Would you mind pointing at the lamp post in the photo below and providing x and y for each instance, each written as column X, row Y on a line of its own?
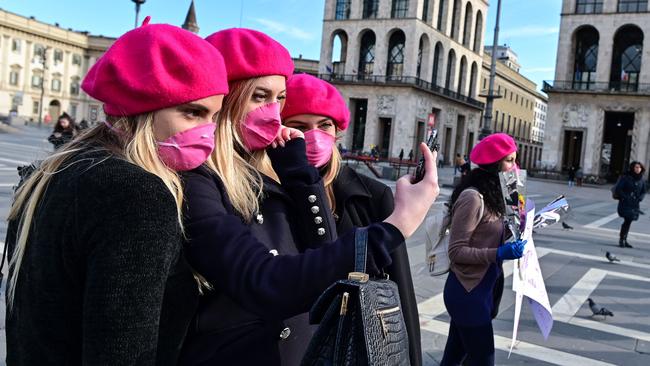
column 40, row 104
column 137, row 10
column 487, row 116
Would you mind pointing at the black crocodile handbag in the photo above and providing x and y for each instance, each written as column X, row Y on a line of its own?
column 361, row 322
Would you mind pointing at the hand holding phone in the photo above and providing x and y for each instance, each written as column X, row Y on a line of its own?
column 432, row 144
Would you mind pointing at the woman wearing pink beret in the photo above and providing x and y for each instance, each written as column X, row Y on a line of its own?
column 95, row 234
column 476, row 252
column 258, row 225
column 317, row 109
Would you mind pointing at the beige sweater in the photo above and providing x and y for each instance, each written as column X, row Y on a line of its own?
column 473, row 240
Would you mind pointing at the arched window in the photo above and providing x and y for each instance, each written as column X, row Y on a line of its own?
column 395, row 66
column 626, row 58
column 342, row 9
column 437, row 64
column 441, row 13
column 451, row 69
column 455, row 22
column 366, row 55
column 478, row 31
column 339, row 52
column 400, row 9
column 423, row 51
column 586, row 57
column 472, row 80
column 467, row 27
column 462, row 75
column 370, row 9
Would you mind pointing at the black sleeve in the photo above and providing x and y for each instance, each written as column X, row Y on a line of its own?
column 305, row 186
column 129, row 228
column 400, row 272
column 223, row 249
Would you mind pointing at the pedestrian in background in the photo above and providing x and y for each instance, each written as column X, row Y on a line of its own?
column 630, row 189
column 96, row 271
column 579, row 176
column 317, row 109
column 476, row 252
column 458, row 163
column 572, row 175
column 64, row 131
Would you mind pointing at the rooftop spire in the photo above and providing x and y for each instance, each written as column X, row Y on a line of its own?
column 190, row 20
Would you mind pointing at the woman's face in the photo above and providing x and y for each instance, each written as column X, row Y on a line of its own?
column 64, row 123
column 637, row 169
column 268, row 89
column 307, row 122
column 509, row 162
column 170, row 121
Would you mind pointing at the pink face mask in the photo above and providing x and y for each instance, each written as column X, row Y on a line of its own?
column 188, row 149
column 261, row 126
column 319, row 147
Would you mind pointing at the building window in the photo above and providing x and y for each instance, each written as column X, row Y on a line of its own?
column 455, row 24
column 586, row 58
column 467, row 27
column 39, row 50
column 451, row 69
column 462, row 75
column 418, row 69
column 472, row 80
column 425, row 11
column 370, row 8
column 73, row 110
column 93, row 113
column 76, row 59
column 37, row 80
column 395, row 66
column 35, row 107
column 626, row 59
column 16, row 45
column 74, row 86
column 58, row 56
column 400, row 9
column 478, row 31
column 441, row 11
column 367, row 54
column 589, row 6
column 437, row 62
column 632, row 6
column 14, row 77
column 56, row 85
column 342, row 9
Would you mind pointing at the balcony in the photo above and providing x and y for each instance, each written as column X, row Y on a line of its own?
column 600, row 87
column 393, row 80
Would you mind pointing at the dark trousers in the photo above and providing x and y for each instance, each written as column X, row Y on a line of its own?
column 471, row 346
column 625, row 228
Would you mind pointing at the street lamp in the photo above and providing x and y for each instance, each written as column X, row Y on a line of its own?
column 40, row 104
column 487, row 116
column 137, row 10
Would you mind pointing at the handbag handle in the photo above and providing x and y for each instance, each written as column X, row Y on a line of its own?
column 360, row 256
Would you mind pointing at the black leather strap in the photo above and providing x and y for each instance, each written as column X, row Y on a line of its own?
column 360, row 249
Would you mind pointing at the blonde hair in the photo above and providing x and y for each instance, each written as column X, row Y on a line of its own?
column 329, row 172
column 132, row 141
column 239, row 169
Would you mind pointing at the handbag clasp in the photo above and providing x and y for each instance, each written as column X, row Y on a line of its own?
column 358, row 276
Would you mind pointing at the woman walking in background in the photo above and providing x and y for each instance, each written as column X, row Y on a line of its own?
column 630, row 189
column 64, row 131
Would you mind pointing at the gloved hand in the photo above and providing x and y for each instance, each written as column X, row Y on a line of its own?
column 511, row 250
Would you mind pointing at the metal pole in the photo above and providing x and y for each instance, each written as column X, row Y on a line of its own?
column 487, row 117
column 40, row 104
column 137, row 14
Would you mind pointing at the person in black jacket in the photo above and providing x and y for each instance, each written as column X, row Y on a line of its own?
column 96, row 272
column 631, row 190
column 64, row 131
column 268, row 250
column 317, row 109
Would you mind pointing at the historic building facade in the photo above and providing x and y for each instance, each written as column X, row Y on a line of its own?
column 514, row 112
column 599, row 102
column 397, row 62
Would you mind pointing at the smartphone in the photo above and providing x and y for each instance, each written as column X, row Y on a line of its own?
column 432, row 144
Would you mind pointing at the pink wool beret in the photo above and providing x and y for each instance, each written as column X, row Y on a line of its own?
column 492, row 149
column 249, row 53
column 307, row 94
column 153, row 67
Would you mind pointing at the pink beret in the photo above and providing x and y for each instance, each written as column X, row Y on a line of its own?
column 154, row 67
column 492, row 149
column 307, row 94
column 249, row 53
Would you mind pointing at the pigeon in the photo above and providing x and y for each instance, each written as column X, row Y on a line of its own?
column 596, row 310
column 566, row 226
column 611, row 257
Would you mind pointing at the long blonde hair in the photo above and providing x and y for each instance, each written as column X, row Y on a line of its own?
column 329, row 172
column 240, row 170
column 133, row 140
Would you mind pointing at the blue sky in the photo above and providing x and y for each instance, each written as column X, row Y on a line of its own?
column 530, row 27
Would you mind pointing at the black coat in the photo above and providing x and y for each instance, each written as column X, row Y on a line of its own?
column 360, row 201
column 631, row 192
column 241, row 320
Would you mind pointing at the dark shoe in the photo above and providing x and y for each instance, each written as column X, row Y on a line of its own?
column 627, row 245
column 621, row 243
